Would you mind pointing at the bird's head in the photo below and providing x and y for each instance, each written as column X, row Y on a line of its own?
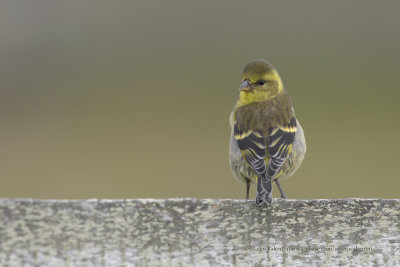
column 260, row 82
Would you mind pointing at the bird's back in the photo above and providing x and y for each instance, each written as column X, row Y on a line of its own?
column 242, row 169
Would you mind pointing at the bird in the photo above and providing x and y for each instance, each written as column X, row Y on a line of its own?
column 267, row 142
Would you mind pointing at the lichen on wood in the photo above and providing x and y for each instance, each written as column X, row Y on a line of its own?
column 199, row 232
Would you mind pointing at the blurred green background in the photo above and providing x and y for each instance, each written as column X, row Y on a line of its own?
column 131, row 99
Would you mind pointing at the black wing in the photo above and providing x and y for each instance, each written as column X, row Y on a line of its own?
column 280, row 143
column 252, row 146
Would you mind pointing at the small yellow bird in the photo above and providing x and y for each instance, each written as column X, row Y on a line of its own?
column 267, row 142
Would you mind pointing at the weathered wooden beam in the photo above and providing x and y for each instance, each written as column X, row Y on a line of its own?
column 199, row 232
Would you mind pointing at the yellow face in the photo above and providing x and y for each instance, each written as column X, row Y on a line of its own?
column 260, row 82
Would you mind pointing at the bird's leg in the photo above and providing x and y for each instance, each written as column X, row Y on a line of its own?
column 283, row 195
column 247, row 187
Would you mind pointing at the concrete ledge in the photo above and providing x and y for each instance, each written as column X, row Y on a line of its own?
column 199, row 232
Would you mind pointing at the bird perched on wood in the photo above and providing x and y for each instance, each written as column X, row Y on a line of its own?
column 267, row 142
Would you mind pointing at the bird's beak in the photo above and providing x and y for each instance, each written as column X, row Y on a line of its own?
column 245, row 86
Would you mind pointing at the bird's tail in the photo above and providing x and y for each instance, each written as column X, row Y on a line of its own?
column 264, row 191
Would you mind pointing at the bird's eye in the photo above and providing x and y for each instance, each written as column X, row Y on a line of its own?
column 261, row 82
